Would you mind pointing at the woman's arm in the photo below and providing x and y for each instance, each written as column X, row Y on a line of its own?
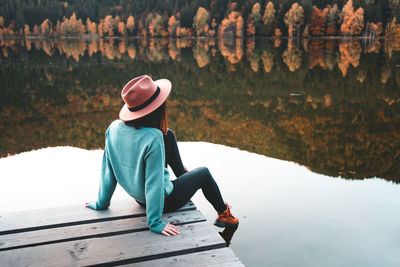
column 172, row 155
column 155, row 189
column 107, row 185
column 154, row 186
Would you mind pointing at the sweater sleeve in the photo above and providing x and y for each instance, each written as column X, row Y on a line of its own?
column 107, row 184
column 154, row 186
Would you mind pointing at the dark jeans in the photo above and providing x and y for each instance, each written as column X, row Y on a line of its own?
column 187, row 183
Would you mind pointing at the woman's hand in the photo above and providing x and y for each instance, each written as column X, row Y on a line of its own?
column 91, row 205
column 169, row 230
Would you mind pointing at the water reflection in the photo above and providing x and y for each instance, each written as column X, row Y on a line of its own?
column 227, row 234
column 331, row 105
column 326, row 53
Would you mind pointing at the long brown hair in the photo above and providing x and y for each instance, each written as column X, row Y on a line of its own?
column 156, row 119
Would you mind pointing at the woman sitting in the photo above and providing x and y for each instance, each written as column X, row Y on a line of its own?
column 138, row 148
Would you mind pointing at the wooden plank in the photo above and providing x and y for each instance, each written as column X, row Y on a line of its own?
column 72, row 215
column 117, row 250
column 93, row 230
column 216, row 257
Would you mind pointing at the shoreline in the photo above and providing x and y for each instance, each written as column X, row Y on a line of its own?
column 85, row 37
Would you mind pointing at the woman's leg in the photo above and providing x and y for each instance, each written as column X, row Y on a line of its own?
column 187, row 185
column 172, row 156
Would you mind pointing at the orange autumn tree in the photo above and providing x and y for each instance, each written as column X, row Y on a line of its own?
column 392, row 29
column 392, row 37
column 27, row 31
column 155, row 25
column 70, row 26
column 173, row 24
column 57, row 28
column 250, row 28
column 91, row 27
column 36, row 30
column 46, row 27
column 294, row 18
column 117, row 19
column 254, row 20
column 130, row 24
column 232, row 26
column 147, row 22
column 332, row 20
column 269, row 17
column 100, row 28
column 318, row 21
column 200, row 21
column 141, row 28
column 121, row 28
column 108, row 25
column 353, row 21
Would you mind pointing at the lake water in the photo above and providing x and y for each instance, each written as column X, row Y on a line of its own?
column 317, row 122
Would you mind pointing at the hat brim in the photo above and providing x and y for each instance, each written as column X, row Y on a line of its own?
column 165, row 88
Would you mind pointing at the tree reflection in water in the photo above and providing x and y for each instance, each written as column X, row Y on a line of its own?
column 227, row 234
column 332, row 105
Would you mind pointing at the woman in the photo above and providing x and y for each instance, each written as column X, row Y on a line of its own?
column 138, row 148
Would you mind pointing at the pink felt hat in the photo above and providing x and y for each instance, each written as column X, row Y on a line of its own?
column 142, row 96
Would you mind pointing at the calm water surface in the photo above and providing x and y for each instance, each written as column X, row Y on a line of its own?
column 323, row 115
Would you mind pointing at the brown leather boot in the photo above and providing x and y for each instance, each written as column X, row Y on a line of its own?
column 226, row 218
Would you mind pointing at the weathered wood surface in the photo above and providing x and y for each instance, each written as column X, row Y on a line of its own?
column 216, row 257
column 93, row 230
column 78, row 236
column 127, row 248
column 15, row 222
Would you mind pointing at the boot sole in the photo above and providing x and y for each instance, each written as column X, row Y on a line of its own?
column 223, row 225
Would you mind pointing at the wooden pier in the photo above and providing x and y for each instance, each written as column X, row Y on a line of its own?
column 79, row 236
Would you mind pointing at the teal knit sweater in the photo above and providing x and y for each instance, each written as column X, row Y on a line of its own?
column 135, row 159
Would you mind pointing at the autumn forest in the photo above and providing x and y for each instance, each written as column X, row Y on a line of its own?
column 101, row 18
